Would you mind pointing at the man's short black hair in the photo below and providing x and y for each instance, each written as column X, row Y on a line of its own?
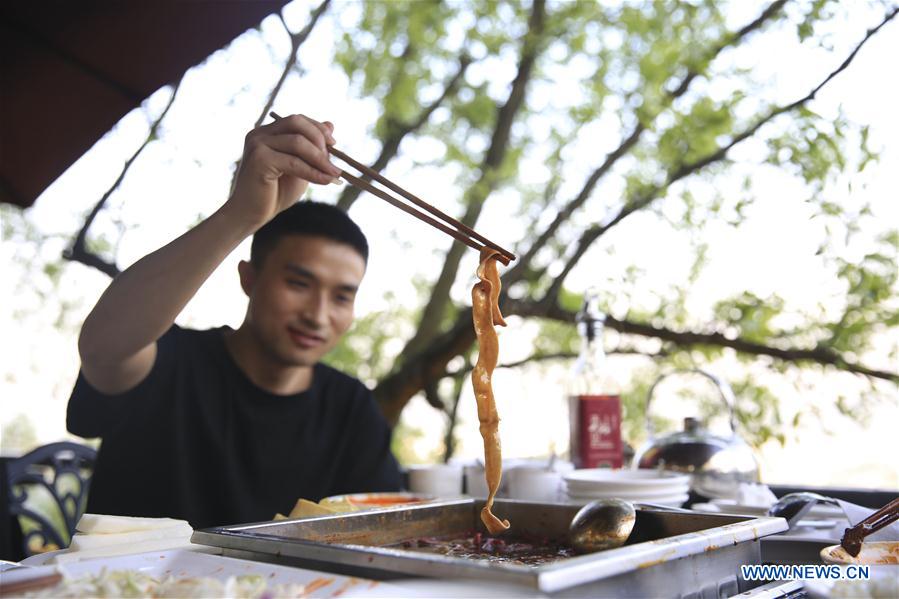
column 308, row 218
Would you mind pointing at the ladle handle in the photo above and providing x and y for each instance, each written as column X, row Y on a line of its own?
column 664, row 508
column 727, row 395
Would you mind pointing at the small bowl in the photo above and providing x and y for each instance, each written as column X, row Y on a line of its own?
column 874, row 553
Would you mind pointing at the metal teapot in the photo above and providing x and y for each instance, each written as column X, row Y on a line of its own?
column 717, row 464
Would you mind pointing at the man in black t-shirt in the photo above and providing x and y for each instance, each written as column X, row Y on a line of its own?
column 228, row 426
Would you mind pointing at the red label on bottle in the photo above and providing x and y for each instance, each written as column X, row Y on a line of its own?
column 599, row 431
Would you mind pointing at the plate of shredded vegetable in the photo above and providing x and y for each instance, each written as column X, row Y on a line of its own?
column 180, row 573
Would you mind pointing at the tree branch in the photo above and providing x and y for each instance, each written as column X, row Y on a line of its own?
column 78, row 251
column 820, row 355
column 432, row 396
column 558, row 356
column 395, row 390
column 399, row 131
column 296, row 40
column 477, row 194
column 647, row 197
column 449, row 440
column 518, row 271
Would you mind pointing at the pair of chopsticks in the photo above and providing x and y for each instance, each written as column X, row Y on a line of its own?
column 450, row 226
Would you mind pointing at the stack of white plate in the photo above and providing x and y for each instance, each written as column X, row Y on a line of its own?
column 639, row 486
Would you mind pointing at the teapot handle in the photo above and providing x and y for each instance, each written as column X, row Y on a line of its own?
column 727, row 395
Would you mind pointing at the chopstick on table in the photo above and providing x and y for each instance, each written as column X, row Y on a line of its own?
column 41, row 581
column 450, row 226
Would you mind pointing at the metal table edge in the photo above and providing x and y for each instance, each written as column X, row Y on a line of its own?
column 586, row 568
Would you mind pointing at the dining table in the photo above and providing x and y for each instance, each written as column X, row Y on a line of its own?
column 196, row 557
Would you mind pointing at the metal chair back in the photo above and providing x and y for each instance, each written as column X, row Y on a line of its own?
column 48, row 493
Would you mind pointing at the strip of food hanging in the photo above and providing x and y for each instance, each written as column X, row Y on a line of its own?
column 486, row 314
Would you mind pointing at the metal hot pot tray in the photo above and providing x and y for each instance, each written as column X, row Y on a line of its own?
column 669, row 554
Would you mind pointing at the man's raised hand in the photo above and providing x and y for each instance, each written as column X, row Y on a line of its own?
column 279, row 161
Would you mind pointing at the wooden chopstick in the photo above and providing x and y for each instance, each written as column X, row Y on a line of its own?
column 30, row 584
column 462, row 227
column 361, row 184
column 461, row 232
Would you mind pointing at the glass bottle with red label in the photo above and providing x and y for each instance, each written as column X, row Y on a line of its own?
column 594, row 399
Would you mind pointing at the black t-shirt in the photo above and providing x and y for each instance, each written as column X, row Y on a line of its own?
column 198, row 440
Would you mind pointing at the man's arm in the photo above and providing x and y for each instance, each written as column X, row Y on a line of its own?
column 118, row 339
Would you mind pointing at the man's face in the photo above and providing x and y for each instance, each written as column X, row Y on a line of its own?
column 302, row 297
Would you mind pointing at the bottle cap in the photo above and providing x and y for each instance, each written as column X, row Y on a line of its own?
column 591, row 318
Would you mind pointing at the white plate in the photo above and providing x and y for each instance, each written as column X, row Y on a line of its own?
column 43, row 559
column 644, row 493
column 630, row 496
column 39, row 559
column 180, row 563
column 183, row 563
column 625, row 480
column 670, row 500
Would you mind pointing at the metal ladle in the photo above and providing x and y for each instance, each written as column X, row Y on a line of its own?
column 793, row 506
column 602, row 524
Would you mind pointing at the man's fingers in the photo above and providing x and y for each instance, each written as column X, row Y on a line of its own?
column 298, row 124
column 283, row 163
column 301, row 147
column 327, row 129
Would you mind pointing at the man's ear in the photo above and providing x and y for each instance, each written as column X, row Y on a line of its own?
column 247, row 273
